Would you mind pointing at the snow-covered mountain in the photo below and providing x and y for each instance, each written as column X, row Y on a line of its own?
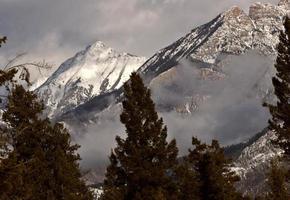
column 96, row 70
column 233, row 32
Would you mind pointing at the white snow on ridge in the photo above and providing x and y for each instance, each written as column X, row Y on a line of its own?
column 233, row 32
column 254, row 162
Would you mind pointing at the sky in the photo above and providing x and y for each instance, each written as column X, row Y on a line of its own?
column 55, row 30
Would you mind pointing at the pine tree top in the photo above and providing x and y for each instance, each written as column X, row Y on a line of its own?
column 140, row 163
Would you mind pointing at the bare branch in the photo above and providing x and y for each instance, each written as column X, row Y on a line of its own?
column 12, row 61
column 39, row 65
column 11, row 69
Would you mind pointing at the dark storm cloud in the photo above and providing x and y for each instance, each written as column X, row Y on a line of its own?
column 55, row 29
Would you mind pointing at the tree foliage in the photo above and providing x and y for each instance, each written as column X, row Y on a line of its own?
column 277, row 182
column 186, row 179
column 43, row 158
column 140, row 165
column 11, row 74
column 43, row 163
column 215, row 180
column 280, row 121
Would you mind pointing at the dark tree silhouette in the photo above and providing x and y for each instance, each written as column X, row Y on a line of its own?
column 277, row 182
column 141, row 164
column 280, row 121
column 215, row 180
column 42, row 163
column 43, row 160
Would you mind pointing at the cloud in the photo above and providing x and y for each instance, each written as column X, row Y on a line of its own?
column 54, row 30
column 232, row 113
column 99, row 138
column 229, row 110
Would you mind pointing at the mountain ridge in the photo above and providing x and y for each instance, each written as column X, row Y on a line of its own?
column 94, row 71
column 209, row 43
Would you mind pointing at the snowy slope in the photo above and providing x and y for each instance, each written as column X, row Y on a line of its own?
column 96, row 70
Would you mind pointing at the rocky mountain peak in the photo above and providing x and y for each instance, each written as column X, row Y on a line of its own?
column 97, row 45
column 260, row 11
column 99, row 50
column 234, row 12
column 96, row 70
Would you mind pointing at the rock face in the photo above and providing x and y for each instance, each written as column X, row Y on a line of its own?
column 230, row 32
column 268, row 21
column 284, row 3
column 96, row 70
column 233, row 32
column 254, row 162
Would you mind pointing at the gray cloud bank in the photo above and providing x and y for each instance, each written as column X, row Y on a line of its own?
column 232, row 110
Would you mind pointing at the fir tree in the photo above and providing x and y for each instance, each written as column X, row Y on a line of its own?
column 12, row 185
column 187, row 181
column 277, row 182
column 280, row 121
column 43, row 160
column 216, row 181
column 142, row 162
column 43, row 163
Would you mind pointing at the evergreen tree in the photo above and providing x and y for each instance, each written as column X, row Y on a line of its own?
column 277, row 183
column 43, row 163
column 141, row 163
column 187, row 181
column 12, row 185
column 216, row 181
column 43, row 160
column 280, row 121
